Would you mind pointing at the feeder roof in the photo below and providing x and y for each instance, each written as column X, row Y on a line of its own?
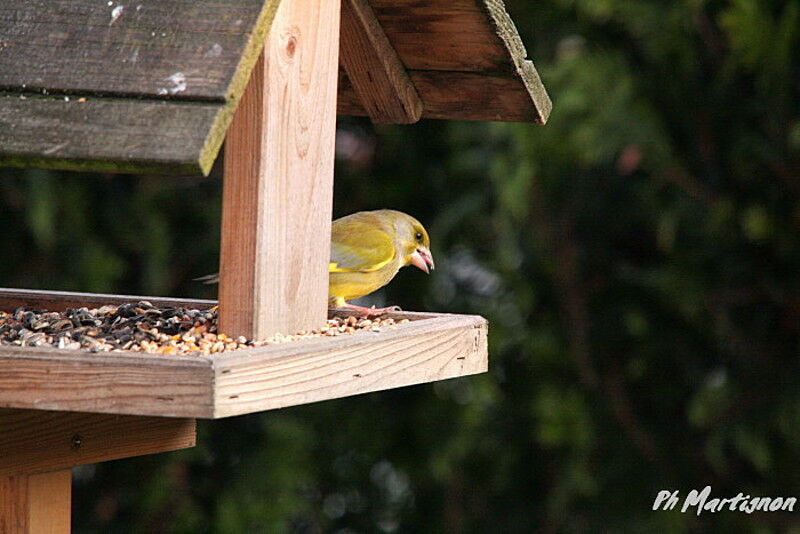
column 147, row 85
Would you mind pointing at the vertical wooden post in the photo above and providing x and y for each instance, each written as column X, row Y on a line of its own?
column 39, row 448
column 36, row 504
column 278, row 190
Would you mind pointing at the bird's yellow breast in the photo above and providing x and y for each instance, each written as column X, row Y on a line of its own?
column 352, row 285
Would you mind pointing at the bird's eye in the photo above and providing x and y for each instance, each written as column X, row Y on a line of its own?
column 418, row 236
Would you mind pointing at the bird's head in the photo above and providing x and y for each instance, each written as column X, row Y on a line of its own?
column 414, row 241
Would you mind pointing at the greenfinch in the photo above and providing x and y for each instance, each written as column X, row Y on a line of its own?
column 368, row 248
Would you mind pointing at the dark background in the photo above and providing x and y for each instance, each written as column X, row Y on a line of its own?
column 637, row 259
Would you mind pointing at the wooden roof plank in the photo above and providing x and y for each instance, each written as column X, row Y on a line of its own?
column 481, row 97
column 186, row 87
column 507, row 31
column 449, row 36
column 378, row 76
column 115, row 135
column 184, row 49
column 465, row 58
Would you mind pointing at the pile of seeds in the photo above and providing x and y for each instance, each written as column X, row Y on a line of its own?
column 143, row 327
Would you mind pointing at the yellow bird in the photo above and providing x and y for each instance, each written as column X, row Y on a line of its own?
column 368, row 248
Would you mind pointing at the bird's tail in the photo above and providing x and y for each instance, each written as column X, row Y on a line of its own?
column 208, row 279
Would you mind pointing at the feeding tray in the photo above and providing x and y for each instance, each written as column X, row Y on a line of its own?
column 429, row 347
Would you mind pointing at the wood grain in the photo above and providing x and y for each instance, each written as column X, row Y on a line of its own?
column 465, row 58
column 109, row 134
column 36, row 441
column 376, row 72
column 163, row 79
column 127, row 383
column 482, row 97
column 50, row 502
column 199, row 52
column 341, row 367
column 73, row 46
column 36, row 504
column 457, row 35
column 430, row 347
column 278, row 190
column 14, row 516
column 181, row 49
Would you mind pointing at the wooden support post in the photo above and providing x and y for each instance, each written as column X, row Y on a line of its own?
column 278, row 190
column 376, row 72
column 38, row 450
column 36, row 504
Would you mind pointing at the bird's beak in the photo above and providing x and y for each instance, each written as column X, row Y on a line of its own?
column 423, row 259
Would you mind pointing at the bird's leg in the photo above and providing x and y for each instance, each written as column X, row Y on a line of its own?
column 370, row 312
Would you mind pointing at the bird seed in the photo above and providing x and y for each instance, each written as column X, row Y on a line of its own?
column 143, row 327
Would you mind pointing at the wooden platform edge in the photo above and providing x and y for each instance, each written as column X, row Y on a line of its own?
column 432, row 350
column 112, row 383
column 431, row 347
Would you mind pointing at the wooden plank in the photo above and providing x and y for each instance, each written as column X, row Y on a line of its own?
column 209, row 55
column 430, row 347
column 448, row 36
column 50, row 502
column 128, row 383
column 11, row 299
column 523, row 67
column 73, row 46
column 36, row 504
column 198, row 54
column 288, row 376
column 459, row 35
column 181, row 49
column 465, row 58
column 246, row 381
column 36, row 441
column 278, row 191
column 481, row 97
column 14, row 516
column 107, row 134
column 376, row 72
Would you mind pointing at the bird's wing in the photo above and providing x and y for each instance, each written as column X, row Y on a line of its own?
column 358, row 246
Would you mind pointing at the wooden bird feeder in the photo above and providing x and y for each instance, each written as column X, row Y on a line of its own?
column 155, row 86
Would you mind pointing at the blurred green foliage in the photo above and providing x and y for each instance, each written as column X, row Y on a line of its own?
column 638, row 259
